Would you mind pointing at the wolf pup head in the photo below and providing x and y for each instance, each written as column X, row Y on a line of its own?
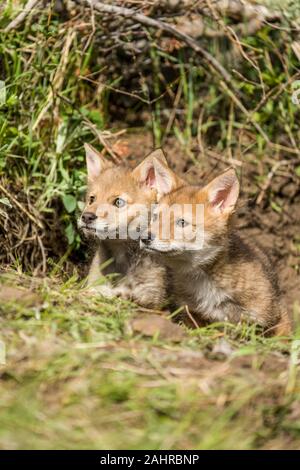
column 118, row 198
column 191, row 218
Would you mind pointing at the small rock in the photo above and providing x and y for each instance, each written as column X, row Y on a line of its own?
column 14, row 294
column 222, row 349
column 152, row 325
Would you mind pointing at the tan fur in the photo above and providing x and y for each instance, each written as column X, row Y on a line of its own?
column 138, row 276
column 229, row 278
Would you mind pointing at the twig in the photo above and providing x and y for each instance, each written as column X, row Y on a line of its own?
column 269, row 178
column 199, row 132
column 226, row 160
column 132, row 95
column 173, row 113
column 273, row 92
column 245, row 111
column 229, row 32
column 19, row 205
column 162, row 26
column 286, row 323
column 44, row 260
column 284, row 148
column 30, row 5
column 102, row 138
column 99, row 134
column 151, row 310
column 59, row 76
column 22, row 238
column 191, row 317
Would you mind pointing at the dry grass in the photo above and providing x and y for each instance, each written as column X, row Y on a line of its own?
column 77, row 377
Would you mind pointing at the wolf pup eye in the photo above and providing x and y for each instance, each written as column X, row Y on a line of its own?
column 92, row 199
column 181, row 223
column 119, row 202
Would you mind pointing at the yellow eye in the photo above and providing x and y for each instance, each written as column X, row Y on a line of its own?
column 119, row 202
column 92, row 199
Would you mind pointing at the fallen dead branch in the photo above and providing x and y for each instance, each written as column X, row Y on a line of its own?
column 226, row 79
column 28, row 9
column 162, row 26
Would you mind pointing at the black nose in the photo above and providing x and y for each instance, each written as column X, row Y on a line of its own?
column 147, row 238
column 88, row 217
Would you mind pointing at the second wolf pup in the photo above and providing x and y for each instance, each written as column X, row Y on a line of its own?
column 217, row 274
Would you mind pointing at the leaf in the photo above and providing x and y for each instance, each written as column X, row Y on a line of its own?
column 276, row 207
column 70, row 233
column 5, row 201
column 70, row 203
column 81, row 205
column 96, row 117
column 12, row 100
column 61, row 137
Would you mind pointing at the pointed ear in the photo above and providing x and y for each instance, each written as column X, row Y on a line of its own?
column 95, row 162
column 159, row 155
column 223, row 192
column 155, row 173
column 165, row 179
column 145, row 173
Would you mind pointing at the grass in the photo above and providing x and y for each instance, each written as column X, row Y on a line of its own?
column 77, row 376
column 58, row 81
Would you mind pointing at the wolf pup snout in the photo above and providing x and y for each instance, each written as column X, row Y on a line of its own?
column 88, row 217
column 146, row 239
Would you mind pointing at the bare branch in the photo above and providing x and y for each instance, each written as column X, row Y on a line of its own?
column 29, row 7
column 162, row 26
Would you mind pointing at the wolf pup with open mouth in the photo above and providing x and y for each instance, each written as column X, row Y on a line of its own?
column 117, row 207
column 217, row 274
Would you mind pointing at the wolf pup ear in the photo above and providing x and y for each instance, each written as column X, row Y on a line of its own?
column 159, row 155
column 95, row 162
column 156, row 174
column 165, row 179
column 145, row 172
column 223, row 192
